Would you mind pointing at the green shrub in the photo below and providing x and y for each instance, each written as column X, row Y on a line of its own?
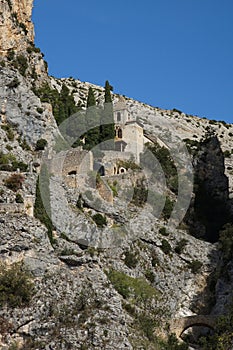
column 19, row 198
column 9, row 132
column 16, row 287
column 5, row 159
column 129, row 308
column 163, row 231
column 2, row 63
column 41, row 144
column 154, row 259
column 140, row 194
column 227, row 154
column 19, row 165
column 11, row 53
column 23, row 26
column 100, row 220
column 113, row 187
column 21, row 63
column 166, row 247
column 128, row 164
column 138, row 288
column 79, row 203
column 180, row 246
column 9, row 148
column 32, row 48
column 130, row 259
column 168, row 208
column 147, row 324
column 40, row 110
column 162, row 154
column 195, row 266
column 149, row 274
column 173, row 344
column 25, row 146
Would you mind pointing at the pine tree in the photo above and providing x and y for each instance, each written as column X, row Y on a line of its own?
column 92, row 121
column 107, row 132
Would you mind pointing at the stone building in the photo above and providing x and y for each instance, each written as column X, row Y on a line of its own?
column 128, row 132
column 73, row 165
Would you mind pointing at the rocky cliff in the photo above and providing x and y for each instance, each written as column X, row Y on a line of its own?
column 100, row 276
column 16, row 26
column 211, row 208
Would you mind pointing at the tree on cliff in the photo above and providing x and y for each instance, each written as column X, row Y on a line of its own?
column 107, row 131
column 42, row 209
column 92, row 121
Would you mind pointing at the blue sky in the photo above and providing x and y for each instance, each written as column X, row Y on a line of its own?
column 167, row 53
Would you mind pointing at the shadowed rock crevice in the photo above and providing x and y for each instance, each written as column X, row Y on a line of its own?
column 210, row 208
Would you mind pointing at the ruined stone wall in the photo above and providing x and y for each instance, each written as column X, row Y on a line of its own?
column 78, row 160
column 75, row 160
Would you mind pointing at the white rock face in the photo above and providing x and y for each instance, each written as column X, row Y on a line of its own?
column 16, row 27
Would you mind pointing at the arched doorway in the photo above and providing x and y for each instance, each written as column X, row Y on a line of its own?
column 119, row 134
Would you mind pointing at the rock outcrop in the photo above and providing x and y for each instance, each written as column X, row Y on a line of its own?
column 16, row 27
column 110, row 287
column 210, row 209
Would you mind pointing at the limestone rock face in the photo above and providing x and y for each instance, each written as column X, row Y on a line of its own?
column 16, row 27
column 211, row 207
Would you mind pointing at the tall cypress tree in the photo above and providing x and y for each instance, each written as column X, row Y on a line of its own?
column 91, row 101
column 40, row 212
column 107, row 93
column 107, row 132
column 92, row 121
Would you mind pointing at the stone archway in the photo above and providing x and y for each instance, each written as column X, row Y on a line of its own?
column 179, row 326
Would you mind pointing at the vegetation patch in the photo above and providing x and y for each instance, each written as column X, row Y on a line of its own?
column 195, row 266
column 100, row 220
column 137, row 288
column 140, row 193
column 8, row 162
column 41, row 144
column 16, row 286
column 9, row 132
column 164, row 158
column 131, row 259
column 181, row 245
column 166, row 247
column 42, row 209
column 168, row 208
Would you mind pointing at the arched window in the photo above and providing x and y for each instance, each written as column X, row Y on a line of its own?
column 119, row 134
column 118, row 116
